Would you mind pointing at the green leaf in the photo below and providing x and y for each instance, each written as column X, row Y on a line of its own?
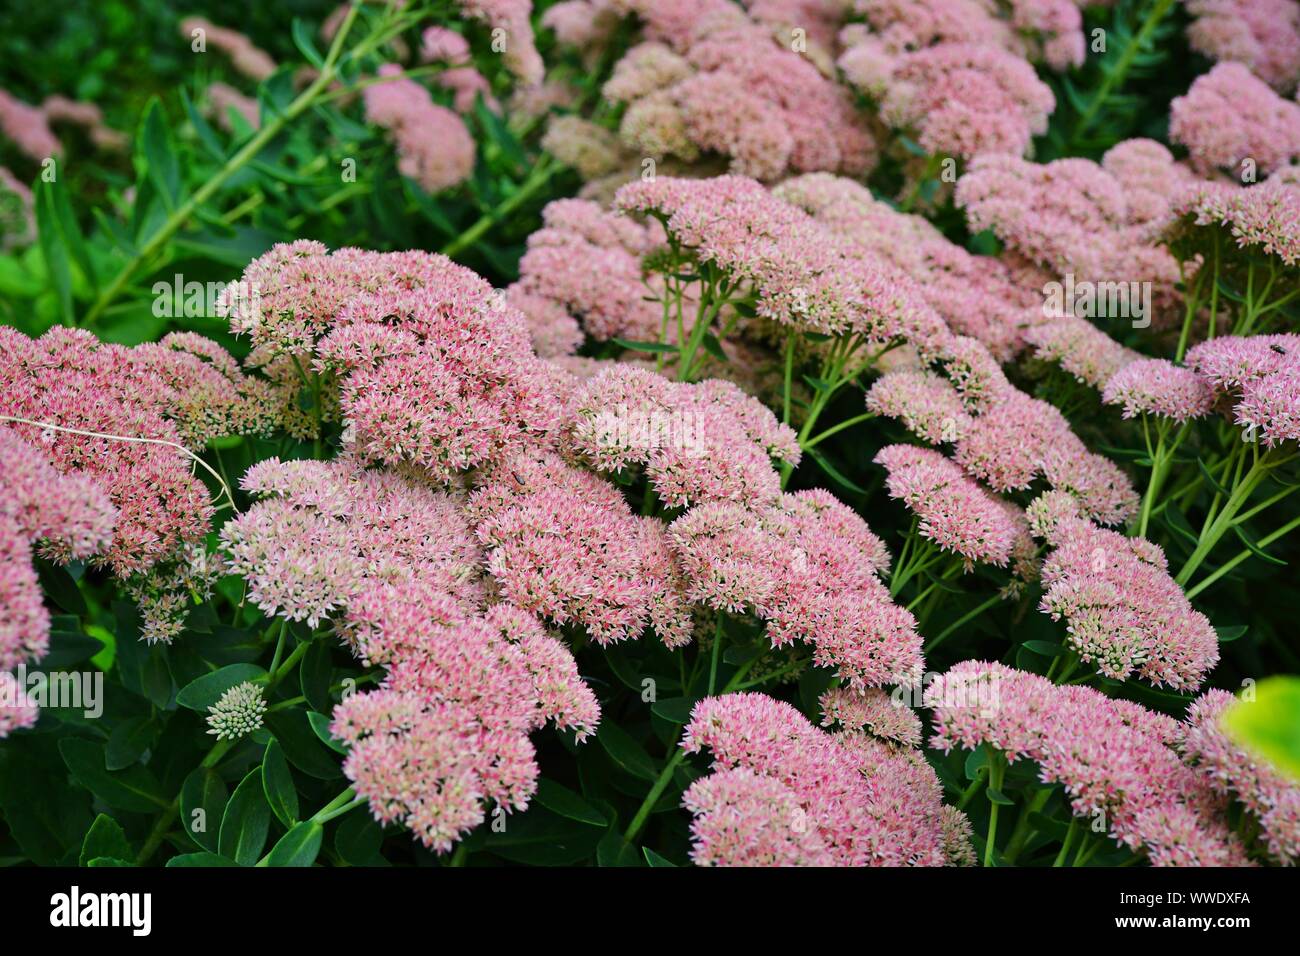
column 298, row 847
column 105, row 838
column 302, row 39
column 321, row 725
column 675, row 710
column 564, row 802
column 200, row 859
column 714, row 347
column 1255, row 549
column 1045, row 648
column 207, row 136
column 203, row 802
column 53, row 247
column 301, row 746
column 1210, row 479
column 128, row 742
column 281, row 795
column 1178, row 522
column 654, row 859
column 246, row 821
column 645, row 346
column 625, row 751
column 1270, row 724
column 358, row 838
column 834, row 472
column 131, row 789
column 997, row 796
column 61, row 588
column 1231, row 632
column 158, row 152
column 314, row 675
column 202, row 693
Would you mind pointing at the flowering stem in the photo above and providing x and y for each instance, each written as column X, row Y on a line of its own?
column 1116, row 76
column 1066, row 843
column 245, row 155
column 789, row 377
column 1024, row 831
column 1161, row 458
column 960, row 621
column 1242, row 556
column 847, row 423
column 661, row 782
column 997, row 770
column 546, row 168
column 1226, row 518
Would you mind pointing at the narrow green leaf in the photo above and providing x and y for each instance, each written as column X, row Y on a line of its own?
column 132, row 789
column 246, row 821
column 645, row 346
column 834, row 472
column 278, row 781
column 200, row 859
column 298, row 847
column 203, row 803
column 654, row 859
column 563, row 801
column 625, row 751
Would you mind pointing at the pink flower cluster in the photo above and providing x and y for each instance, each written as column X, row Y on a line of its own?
column 1073, row 216
column 1115, row 759
column 28, row 128
column 808, row 566
column 564, row 544
column 963, row 99
column 433, row 366
column 584, row 266
column 975, row 295
column 1000, row 435
column 1262, row 375
column 66, row 516
column 246, row 58
column 177, row 393
column 697, row 443
column 800, row 274
column 1123, row 610
column 1262, row 34
column 712, row 80
column 783, row 792
column 1230, row 118
column 1270, row 797
column 1159, row 387
column 953, row 511
column 394, row 564
column 1263, row 218
column 433, row 146
column 1047, row 30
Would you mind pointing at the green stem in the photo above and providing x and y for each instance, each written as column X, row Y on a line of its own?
column 960, row 621
column 661, row 782
column 1110, row 79
column 997, row 770
column 246, row 154
column 1242, row 556
column 1065, row 845
column 542, row 172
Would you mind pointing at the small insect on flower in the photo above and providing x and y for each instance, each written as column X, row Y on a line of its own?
column 238, row 713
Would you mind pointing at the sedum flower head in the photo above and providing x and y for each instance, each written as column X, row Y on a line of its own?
column 238, row 713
